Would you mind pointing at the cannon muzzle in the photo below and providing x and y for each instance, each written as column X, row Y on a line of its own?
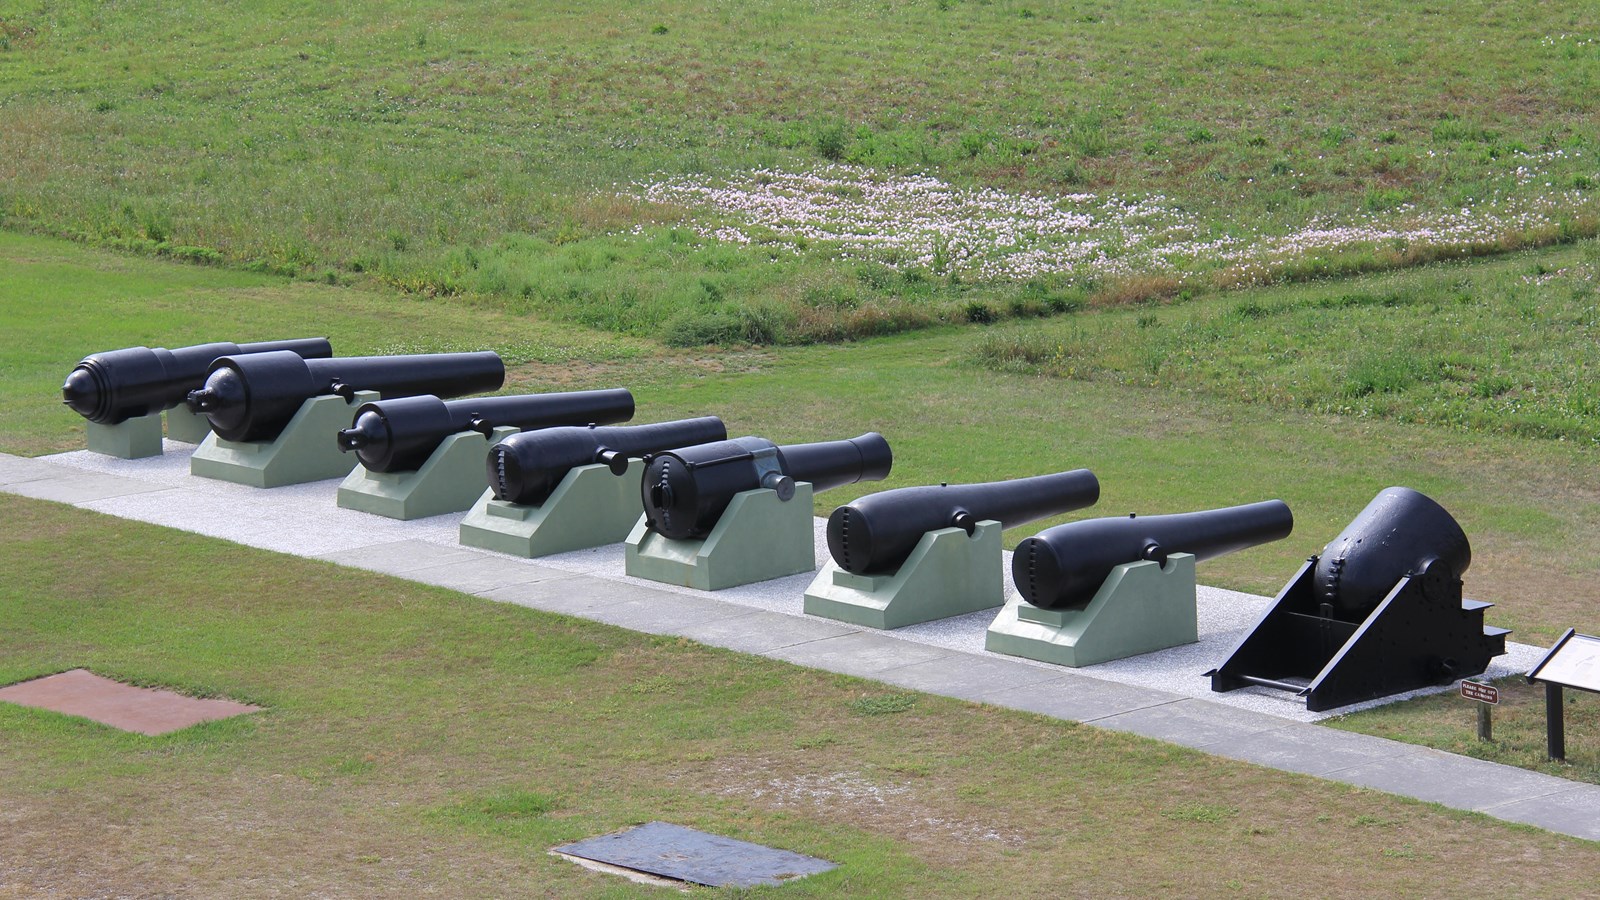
column 251, row 398
column 399, row 435
column 877, row 532
column 685, row 491
column 525, row 468
column 1063, row 567
column 1401, row 532
column 112, row 387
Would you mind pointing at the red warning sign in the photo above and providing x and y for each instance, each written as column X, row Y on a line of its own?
column 1483, row 693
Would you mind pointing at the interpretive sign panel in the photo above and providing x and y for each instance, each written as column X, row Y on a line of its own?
column 1573, row 662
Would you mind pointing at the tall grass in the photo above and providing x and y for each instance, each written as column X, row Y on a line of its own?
column 405, row 143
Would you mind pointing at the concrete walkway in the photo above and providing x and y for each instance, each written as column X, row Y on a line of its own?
column 149, row 490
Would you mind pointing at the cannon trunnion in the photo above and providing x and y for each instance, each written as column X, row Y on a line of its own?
column 1379, row 611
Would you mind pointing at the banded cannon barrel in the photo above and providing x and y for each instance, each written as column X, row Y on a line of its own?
column 685, row 491
column 526, row 467
column 112, row 387
column 251, row 398
column 879, row 531
column 1399, row 533
column 1063, row 567
column 399, row 435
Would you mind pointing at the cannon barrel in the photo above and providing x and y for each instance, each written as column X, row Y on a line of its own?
column 1063, row 567
column 685, row 491
column 1401, row 532
column 251, row 398
column 526, row 467
column 399, row 435
column 112, row 387
column 877, row 532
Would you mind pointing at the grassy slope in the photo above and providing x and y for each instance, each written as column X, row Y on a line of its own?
column 452, row 146
column 417, row 740
column 1509, row 346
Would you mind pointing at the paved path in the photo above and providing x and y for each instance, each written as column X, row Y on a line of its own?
column 1460, row 782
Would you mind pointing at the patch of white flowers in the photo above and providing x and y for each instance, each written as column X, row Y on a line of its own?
column 917, row 221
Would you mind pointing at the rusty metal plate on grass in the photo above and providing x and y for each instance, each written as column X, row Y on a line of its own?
column 673, row 851
column 80, row 692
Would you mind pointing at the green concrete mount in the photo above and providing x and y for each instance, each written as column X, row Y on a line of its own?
column 134, row 438
column 450, row 481
column 186, row 427
column 306, row 450
column 1141, row 607
column 758, row 538
column 948, row 574
column 589, row 508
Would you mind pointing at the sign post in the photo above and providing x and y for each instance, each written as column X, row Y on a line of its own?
column 1574, row 662
column 1487, row 696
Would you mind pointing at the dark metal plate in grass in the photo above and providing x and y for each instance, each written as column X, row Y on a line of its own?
column 673, row 851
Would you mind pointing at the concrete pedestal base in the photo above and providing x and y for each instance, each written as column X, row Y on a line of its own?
column 134, row 438
column 451, row 479
column 186, row 427
column 589, row 508
column 1141, row 607
column 758, row 538
column 306, row 450
column 948, row 574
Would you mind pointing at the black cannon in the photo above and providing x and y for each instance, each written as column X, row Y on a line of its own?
column 685, row 491
column 1063, row 567
column 1378, row 612
column 112, row 387
column 251, row 398
column 877, row 532
column 525, row 468
column 399, row 435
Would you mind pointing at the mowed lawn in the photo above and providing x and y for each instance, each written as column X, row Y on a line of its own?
column 422, row 742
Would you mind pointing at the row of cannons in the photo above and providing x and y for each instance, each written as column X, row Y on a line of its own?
column 1378, row 611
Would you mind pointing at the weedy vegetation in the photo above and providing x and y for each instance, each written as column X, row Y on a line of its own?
column 703, row 172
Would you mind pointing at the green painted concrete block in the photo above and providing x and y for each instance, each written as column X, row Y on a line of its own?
column 758, row 538
column 589, row 508
column 307, row 450
column 450, row 481
column 185, row 426
column 948, row 574
column 134, row 438
column 1142, row 607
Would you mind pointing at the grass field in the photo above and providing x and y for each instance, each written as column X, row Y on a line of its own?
column 662, row 168
column 1215, row 252
column 418, row 741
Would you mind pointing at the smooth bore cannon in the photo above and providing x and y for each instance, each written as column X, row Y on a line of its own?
column 1063, row 567
column 527, row 467
column 1401, row 532
column 879, row 531
column 112, row 387
column 251, row 398
column 685, row 491
column 399, row 435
